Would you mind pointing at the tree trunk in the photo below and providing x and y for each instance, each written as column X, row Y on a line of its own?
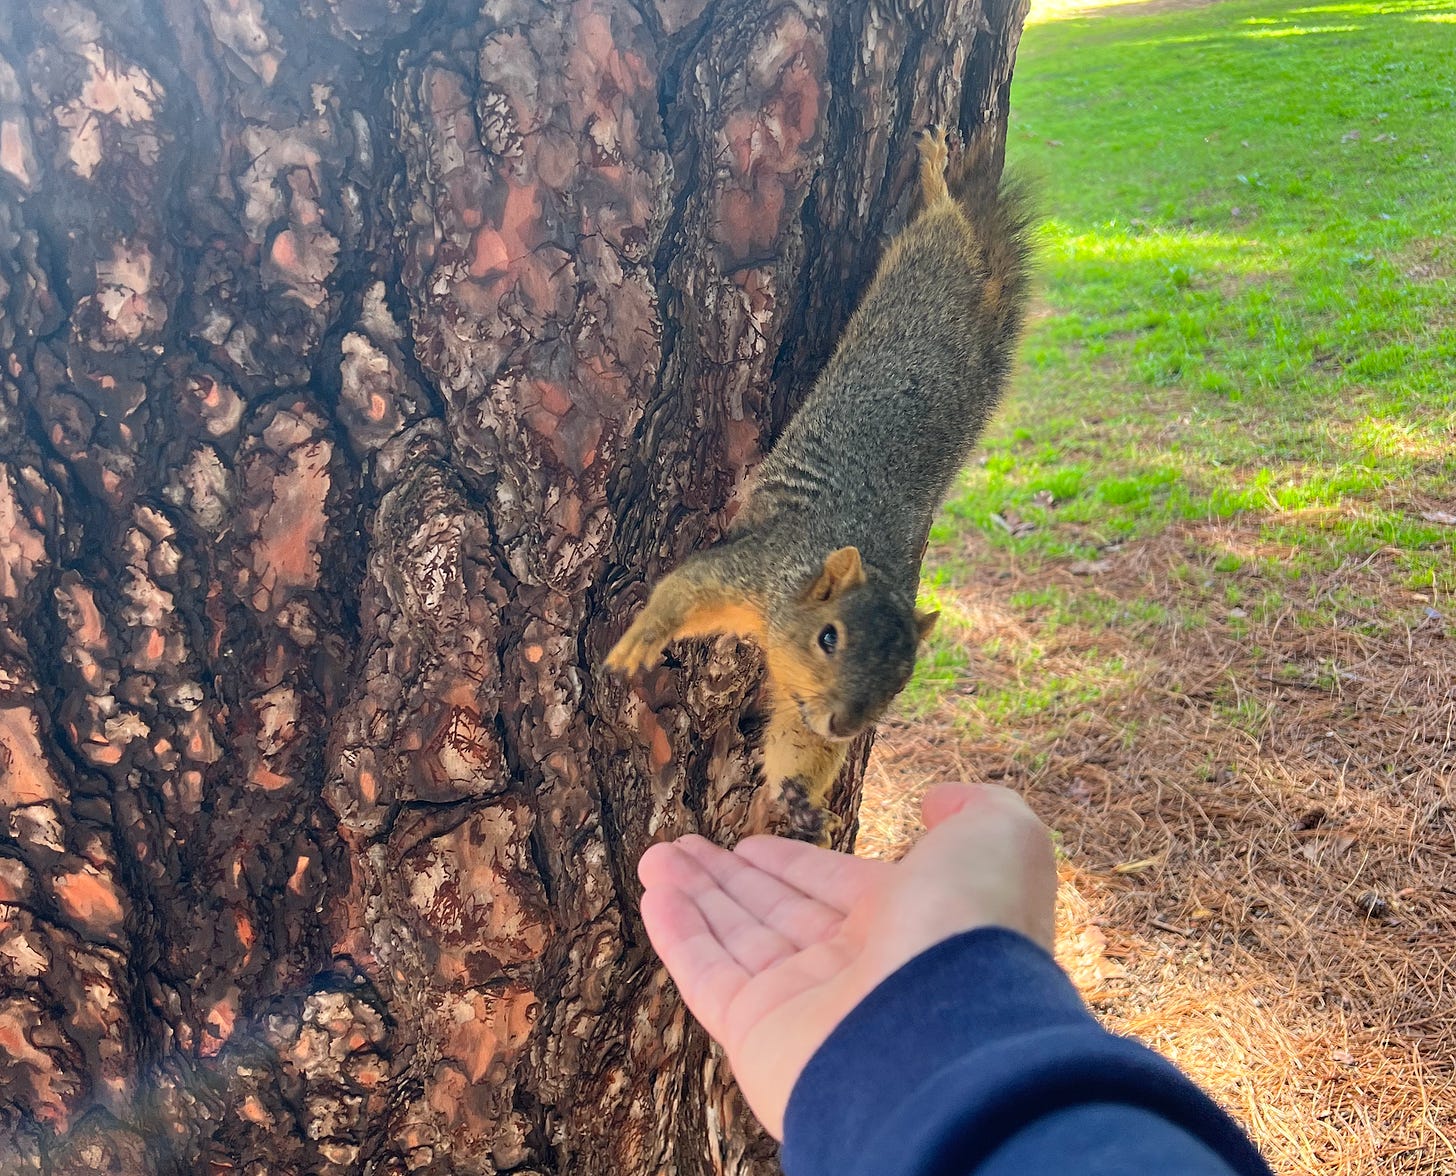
column 363, row 362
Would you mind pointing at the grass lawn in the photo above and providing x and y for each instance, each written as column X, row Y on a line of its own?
column 1247, row 280
column 1197, row 594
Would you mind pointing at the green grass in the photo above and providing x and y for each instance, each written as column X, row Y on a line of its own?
column 1248, row 306
column 1247, row 311
column 1246, row 272
column 1026, row 683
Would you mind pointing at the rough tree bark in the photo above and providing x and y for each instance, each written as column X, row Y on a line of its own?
column 362, row 362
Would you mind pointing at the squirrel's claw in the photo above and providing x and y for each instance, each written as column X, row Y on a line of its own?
column 637, row 650
column 933, row 139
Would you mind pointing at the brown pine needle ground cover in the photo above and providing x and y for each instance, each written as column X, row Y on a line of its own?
column 1199, row 594
column 1258, row 825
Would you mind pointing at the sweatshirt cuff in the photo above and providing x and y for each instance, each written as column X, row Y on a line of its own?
column 961, row 1048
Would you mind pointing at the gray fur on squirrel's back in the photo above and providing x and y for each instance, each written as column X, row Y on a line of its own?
column 922, row 364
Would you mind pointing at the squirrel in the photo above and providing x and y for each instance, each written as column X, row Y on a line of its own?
column 821, row 565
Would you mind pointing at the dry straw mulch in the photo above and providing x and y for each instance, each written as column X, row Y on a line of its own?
column 1258, row 820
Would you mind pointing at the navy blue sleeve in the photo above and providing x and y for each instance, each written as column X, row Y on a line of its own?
column 978, row 1057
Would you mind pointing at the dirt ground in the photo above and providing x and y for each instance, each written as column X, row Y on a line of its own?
column 1257, row 823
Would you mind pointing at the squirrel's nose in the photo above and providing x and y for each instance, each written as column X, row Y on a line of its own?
column 839, row 728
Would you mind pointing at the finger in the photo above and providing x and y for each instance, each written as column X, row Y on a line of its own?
column 836, row 879
column 706, row 975
column 750, row 942
column 653, row 866
column 783, row 908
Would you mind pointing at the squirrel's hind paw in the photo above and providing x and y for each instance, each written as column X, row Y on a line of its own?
column 934, row 151
column 933, row 141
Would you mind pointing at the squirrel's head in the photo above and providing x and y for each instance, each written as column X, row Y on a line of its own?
column 848, row 648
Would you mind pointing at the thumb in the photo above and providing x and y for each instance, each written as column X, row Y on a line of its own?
column 945, row 800
column 989, row 858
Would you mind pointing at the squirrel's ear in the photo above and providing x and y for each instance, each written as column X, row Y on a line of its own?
column 841, row 572
column 925, row 621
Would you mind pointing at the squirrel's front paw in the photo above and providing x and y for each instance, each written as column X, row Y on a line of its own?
column 639, row 649
column 804, row 820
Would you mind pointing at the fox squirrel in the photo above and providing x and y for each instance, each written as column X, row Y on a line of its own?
column 822, row 563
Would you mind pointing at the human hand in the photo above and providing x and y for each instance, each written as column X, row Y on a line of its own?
column 772, row 944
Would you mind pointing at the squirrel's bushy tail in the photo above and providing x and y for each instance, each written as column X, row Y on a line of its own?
column 1001, row 212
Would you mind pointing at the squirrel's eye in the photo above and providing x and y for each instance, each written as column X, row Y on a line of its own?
column 829, row 639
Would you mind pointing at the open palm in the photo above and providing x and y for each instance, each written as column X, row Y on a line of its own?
column 772, row 944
